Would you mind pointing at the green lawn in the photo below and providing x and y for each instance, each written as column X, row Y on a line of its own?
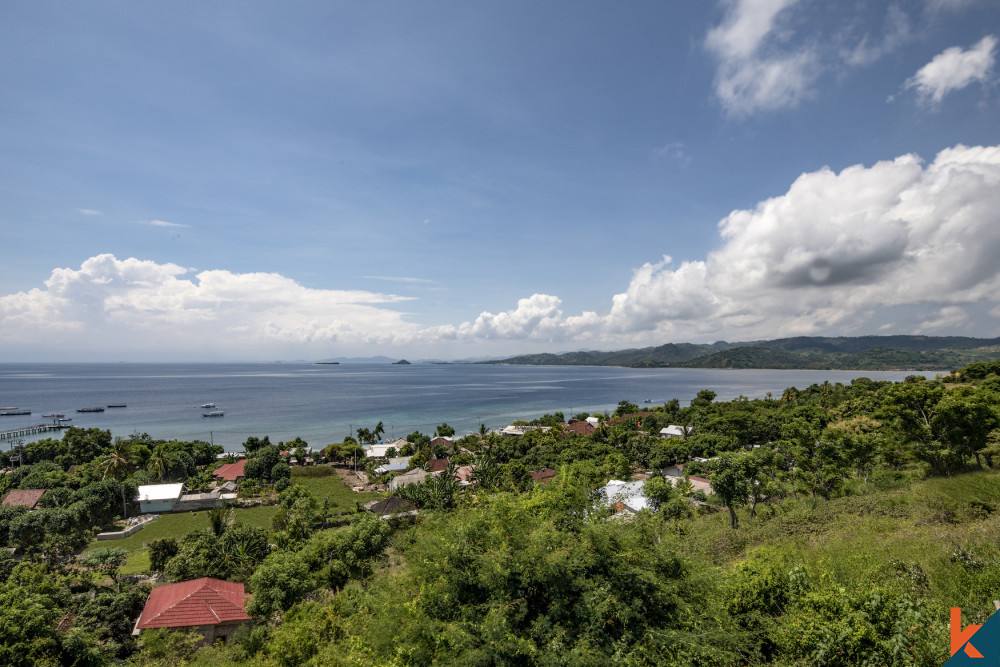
column 322, row 482
column 177, row 526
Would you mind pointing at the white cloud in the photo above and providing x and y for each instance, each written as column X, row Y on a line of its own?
column 164, row 223
column 948, row 318
column 896, row 32
column 675, row 151
column 87, row 211
column 824, row 257
column 135, row 304
column 755, row 73
column 954, row 69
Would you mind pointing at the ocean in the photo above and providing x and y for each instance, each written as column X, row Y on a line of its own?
column 323, row 403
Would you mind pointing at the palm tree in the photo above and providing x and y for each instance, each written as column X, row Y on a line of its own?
column 116, row 465
column 160, row 462
column 219, row 520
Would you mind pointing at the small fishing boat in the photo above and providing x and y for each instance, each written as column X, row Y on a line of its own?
column 117, row 405
column 207, row 405
column 11, row 412
column 213, row 413
column 90, row 409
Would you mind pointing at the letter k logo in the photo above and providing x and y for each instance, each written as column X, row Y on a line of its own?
column 959, row 637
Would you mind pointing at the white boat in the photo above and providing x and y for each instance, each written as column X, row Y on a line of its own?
column 213, row 413
column 207, row 405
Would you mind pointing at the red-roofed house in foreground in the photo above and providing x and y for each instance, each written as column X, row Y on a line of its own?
column 213, row 608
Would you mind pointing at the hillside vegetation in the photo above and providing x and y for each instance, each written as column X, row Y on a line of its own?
column 804, row 352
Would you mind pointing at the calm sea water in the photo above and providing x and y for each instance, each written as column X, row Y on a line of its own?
column 322, row 404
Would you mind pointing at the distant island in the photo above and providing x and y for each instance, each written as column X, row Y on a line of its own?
column 401, row 362
column 325, row 363
column 802, row 352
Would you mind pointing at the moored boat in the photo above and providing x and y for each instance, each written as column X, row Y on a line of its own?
column 213, row 413
column 207, row 405
column 117, row 405
column 90, row 409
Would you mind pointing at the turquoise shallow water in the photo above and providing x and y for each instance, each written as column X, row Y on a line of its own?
column 323, row 403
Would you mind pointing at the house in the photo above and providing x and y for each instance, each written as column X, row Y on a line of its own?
column 543, row 475
column 23, row 498
column 442, row 441
column 463, row 475
column 230, row 472
column 158, row 497
column 379, row 451
column 580, row 427
column 675, row 431
column 391, row 507
column 626, row 498
column 636, row 415
column 415, row 476
column 213, row 608
column 395, row 464
column 438, row 465
column 593, row 421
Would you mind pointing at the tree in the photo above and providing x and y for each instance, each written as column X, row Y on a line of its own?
column 731, row 483
column 106, row 561
column 659, row 491
column 626, row 408
column 444, row 431
column 116, row 465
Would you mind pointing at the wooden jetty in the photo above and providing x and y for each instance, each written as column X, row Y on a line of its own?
column 30, row 430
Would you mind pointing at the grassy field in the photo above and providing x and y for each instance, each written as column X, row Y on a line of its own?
column 940, row 535
column 322, row 482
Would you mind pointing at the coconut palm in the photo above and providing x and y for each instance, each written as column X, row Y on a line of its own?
column 117, row 466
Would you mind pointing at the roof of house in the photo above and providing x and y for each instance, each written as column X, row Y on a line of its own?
column 464, row 474
column 26, row 497
column 153, row 492
column 676, row 430
column 390, row 505
column 379, row 450
column 414, row 476
column 231, row 472
column 629, row 495
column 543, row 475
column 636, row 415
column 580, row 427
column 204, row 601
column 391, row 467
column 437, row 465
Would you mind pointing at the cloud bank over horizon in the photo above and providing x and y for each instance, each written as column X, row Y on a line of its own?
column 839, row 253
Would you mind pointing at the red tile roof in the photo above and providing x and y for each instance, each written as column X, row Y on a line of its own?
column 27, row 497
column 230, row 471
column 204, row 601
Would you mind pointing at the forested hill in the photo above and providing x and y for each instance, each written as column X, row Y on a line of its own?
column 809, row 352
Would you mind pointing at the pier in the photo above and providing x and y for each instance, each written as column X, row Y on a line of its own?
column 29, row 430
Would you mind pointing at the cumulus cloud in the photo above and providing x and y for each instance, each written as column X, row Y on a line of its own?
column 139, row 303
column 824, row 258
column 954, row 69
column 755, row 73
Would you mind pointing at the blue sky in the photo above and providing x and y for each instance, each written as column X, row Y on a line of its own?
column 253, row 180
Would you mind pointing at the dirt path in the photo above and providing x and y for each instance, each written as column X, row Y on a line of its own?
column 357, row 481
